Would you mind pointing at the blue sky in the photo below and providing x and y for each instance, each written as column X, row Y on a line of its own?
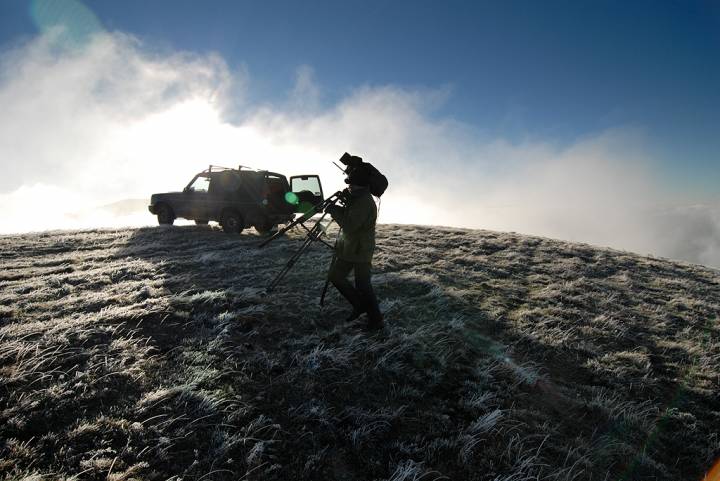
column 555, row 70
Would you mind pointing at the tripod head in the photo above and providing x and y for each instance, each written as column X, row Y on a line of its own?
column 339, row 196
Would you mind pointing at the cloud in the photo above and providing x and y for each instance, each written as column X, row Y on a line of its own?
column 87, row 126
column 305, row 96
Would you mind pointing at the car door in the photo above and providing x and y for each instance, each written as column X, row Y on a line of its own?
column 194, row 204
column 223, row 193
column 308, row 191
column 275, row 188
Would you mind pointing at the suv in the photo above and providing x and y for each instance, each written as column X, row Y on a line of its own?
column 239, row 198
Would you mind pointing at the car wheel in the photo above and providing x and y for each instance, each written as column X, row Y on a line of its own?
column 165, row 215
column 231, row 222
column 265, row 227
column 201, row 222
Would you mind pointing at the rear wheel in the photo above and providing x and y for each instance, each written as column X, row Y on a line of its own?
column 265, row 227
column 231, row 222
column 165, row 215
column 201, row 222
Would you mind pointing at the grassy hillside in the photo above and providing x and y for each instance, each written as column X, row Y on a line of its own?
column 151, row 354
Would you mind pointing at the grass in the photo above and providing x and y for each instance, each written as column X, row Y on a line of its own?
column 152, row 354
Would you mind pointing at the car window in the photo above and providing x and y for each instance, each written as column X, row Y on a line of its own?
column 309, row 183
column 225, row 182
column 252, row 185
column 275, row 185
column 201, row 184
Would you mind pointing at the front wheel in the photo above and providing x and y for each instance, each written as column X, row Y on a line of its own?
column 231, row 222
column 165, row 215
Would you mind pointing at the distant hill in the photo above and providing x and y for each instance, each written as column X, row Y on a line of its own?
column 127, row 207
column 151, row 354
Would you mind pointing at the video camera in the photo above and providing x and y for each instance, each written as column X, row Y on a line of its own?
column 377, row 182
column 351, row 161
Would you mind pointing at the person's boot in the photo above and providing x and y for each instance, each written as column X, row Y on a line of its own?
column 353, row 316
column 375, row 323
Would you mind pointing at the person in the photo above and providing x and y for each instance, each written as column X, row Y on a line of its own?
column 355, row 247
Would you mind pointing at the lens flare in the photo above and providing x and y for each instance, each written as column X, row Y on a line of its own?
column 73, row 22
column 292, row 198
column 305, row 207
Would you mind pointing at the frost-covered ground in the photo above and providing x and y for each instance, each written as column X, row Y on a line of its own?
column 151, row 354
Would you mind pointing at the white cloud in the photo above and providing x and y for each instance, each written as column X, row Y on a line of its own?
column 305, row 95
column 87, row 126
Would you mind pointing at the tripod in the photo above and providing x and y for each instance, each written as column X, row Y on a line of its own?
column 313, row 234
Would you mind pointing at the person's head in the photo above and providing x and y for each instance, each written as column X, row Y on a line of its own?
column 358, row 178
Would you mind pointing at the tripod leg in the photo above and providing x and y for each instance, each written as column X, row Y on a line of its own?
column 315, row 224
column 290, row 263
column 313, row 234
column 327, row 281
column 332, row 264
column 320, row 230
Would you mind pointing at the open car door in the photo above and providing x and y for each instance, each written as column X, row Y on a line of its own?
column 308, row 190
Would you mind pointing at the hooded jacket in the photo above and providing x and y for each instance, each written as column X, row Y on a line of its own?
column 357, row 220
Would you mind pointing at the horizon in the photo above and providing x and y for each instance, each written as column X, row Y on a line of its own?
column 585, row 123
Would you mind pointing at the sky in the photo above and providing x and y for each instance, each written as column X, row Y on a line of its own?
column 588, row 121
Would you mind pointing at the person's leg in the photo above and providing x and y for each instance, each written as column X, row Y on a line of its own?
column 363, row 284
column 338, row 277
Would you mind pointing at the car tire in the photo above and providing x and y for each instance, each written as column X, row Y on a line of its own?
column 201, row 222
column 165, row 215
column 265, row 227
column 231, row 222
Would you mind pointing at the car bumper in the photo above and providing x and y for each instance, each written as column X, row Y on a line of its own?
column 151, row 208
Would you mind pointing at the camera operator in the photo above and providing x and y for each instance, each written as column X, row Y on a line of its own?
column 355, row 247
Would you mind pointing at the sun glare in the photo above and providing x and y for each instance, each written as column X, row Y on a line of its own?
column 191, row 135
column 171, row 146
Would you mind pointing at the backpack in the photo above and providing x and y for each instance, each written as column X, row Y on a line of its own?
column 378, row 182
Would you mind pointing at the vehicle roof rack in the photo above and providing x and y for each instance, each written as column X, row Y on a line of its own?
column 216, row 168
column 241, row 167
column 219, row 168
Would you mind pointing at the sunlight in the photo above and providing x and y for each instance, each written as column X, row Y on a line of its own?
column 46, row 207
column 175, row 144
column 406, row 208
column 168, row 148
column 159, row 153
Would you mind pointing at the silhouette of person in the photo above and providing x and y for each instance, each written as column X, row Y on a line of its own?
column 355, row 248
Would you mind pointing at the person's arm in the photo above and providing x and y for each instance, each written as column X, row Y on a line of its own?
column 351, row 218
column 337, row 213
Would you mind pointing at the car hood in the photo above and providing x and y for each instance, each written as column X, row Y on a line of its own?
column 165, row 196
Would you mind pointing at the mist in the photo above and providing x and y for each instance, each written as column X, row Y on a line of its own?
column 89, row 131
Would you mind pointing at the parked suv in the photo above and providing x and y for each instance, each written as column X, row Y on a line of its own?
column 239, row 198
